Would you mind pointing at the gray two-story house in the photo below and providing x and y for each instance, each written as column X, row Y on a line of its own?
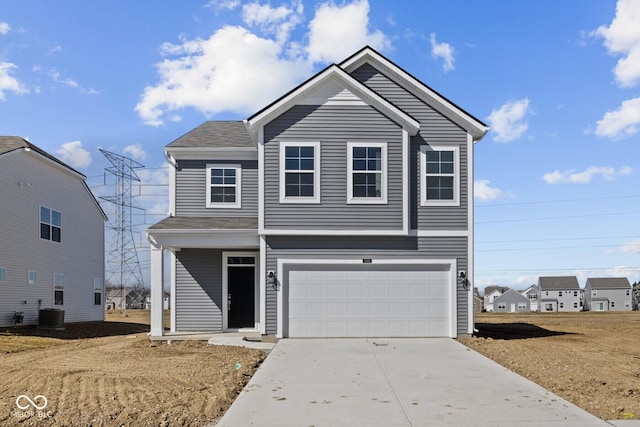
column 558, row 293
column 607, row 294
column 342, row 209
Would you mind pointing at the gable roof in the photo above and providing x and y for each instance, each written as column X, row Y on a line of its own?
column 608, row 283
column 510, row 294
column 471, row 124
column 10, row 144
column 490, row 289
column 330, row 74
column 223, row 134
column 550, row 283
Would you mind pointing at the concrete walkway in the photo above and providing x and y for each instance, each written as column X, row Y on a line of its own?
column 393, row 382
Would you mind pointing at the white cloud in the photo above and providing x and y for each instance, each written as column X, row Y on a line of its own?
column 4, row 28
column 622, row 36
column 9, row 83
column 55, row 76
column 279, row 21
column 442, row 51
column 483, row 191
column 240, row 71
column 509, row 121
column 73, row 154
column 622, row 122
column 336, row 32
column 584, row 177
column 219, row 5
column 233, row 70
column 135, row 151
column 632, row 247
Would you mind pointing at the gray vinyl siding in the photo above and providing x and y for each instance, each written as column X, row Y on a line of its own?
column 366, row 247
column 511, row 298
column 435, row 129
column 191, row 189
column 618, row 296
column 333, row 126
column 198, row 290
column 79, row 256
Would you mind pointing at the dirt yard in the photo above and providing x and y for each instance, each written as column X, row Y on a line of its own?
column 589, row 359
column 110, row 374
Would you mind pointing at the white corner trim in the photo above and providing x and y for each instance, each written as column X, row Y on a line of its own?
column 261, row 177
column 263, row 286
column 406, row 196
column 471, row 242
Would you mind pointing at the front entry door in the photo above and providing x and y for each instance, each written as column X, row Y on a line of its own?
column 241, row 296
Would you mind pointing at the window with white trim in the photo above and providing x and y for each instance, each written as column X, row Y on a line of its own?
column 3, row 274
column 32, row 277
column 97, row 291
column 300, row 172
column 50, row 224
column 366, row 172
column 522, row 306
column 439, row 176
column 224, row 186
column 502, row 306
column 58, row 289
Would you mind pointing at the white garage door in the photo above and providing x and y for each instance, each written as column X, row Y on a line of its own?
column 369, row 301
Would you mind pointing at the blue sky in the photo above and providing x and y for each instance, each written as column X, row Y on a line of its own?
column 556, row 178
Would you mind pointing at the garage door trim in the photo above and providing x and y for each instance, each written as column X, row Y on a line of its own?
column 284, row 264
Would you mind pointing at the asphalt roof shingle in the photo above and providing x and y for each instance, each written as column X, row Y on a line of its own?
column 609, row 283
column 558, row 283
column 206, row 223
column 216, row 134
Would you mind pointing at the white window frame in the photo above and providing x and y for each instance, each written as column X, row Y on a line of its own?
column 58, row 286
column 32, row 280
column 238, row 186
column 351, row 199
column 316, row 172
column 423, row 175
column 502, row 306
column 522, row 306
column 97, row 289
column 49, row 223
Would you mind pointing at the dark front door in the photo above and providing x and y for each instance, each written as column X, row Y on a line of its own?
column 241, row 297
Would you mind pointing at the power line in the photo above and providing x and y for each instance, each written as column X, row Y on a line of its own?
column 501, row 221
column 542, row 202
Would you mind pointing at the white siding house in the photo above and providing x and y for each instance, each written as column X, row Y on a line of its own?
column 52, row 237
column 532, row 294
column 607, row 294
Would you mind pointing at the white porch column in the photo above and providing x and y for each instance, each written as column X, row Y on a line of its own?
column 157, row 291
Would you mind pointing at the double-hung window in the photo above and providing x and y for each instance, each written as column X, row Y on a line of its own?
column 366, row 172
column 223, row 186
column 439, row 176
column 50, row 224
column 58, row 289
column 300, row 172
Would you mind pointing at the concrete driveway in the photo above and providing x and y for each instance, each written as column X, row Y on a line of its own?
column 393, row 382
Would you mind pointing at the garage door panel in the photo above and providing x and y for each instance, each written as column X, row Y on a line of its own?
column 353, row 301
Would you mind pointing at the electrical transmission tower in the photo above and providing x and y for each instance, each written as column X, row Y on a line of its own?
column 123, row 265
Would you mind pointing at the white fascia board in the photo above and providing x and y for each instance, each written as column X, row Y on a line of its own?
column 357, row 88
column 204, row 238
column 450, row 110
column 213, row 153
column 318, row 232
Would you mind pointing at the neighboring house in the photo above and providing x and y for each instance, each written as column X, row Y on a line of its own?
column 558, row 293
column 478, row 301
column 166, row 302
column 51, row 237
column 608, row 294
column 490, row 295
column 532, row 293
column 511, row 302
column 134, row 298
column 342, row 209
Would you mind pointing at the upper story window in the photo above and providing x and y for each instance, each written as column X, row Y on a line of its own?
column 300, row 172
column 366, row 172
column 50, row 224
column 223, row 186
column 439, row 176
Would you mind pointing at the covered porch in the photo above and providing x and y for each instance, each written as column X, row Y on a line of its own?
column 214, row 275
